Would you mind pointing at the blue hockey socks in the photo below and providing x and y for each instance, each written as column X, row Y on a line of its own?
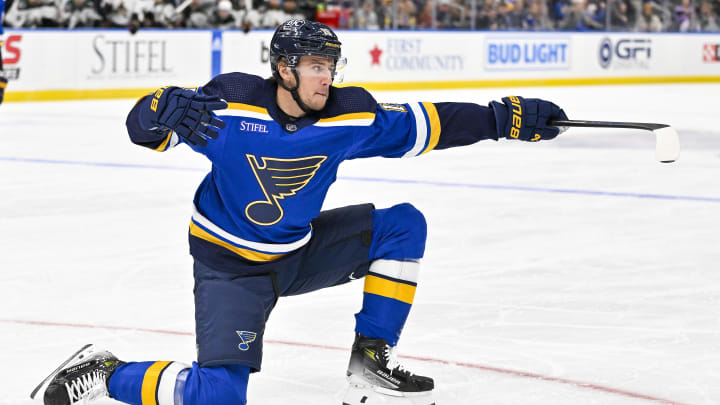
column 387, row 299
column 399, row 235
column 173, row 383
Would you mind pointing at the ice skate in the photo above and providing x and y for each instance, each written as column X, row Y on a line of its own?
column 376, row 377
column 81, row 378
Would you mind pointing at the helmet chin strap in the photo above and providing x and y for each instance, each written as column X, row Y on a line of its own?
column 295, row 95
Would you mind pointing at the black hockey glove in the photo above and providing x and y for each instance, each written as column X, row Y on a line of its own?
column 526, row 119
column 185, row 112
column 3, row 85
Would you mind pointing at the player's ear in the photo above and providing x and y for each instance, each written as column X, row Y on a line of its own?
column 286, row 73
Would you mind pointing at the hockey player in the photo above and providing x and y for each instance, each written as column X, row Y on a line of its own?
column 257, row 232
column 3, row 78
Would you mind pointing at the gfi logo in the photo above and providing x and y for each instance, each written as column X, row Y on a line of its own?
column 625, row 53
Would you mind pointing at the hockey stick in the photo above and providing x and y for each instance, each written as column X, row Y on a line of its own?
column 667, row 141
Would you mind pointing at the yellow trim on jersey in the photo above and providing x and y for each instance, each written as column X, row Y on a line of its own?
column 163, row 146
column 390, row 289
column 434, row 126
column 348, row 117
column 3, row 85
column 245, row 253
column 148, row 392
column 247, row 107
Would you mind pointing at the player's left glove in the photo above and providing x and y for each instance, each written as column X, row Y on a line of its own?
column 184, row 111
column 526, row 119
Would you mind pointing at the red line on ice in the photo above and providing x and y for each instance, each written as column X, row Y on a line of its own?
column 515, row 373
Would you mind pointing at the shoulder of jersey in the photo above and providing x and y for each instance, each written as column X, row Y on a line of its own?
column 238, row 88
column 349, row 100
column 348, row 106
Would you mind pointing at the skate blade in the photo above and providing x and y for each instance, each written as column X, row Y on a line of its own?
column 370, row 395
column 79, row 355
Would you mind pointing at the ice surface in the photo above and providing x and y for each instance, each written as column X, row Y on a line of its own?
column 578, row 271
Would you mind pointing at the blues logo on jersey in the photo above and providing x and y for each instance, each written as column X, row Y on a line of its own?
column 279, row 178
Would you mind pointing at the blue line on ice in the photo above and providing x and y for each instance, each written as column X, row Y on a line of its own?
column 381, row 180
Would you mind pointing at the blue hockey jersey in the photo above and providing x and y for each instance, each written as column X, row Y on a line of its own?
column 270, row 174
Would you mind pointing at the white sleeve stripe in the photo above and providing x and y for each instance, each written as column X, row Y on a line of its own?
column 243, row 113
column 362, row 122
column 166, row 386
column 401, row 270
column 420, row 129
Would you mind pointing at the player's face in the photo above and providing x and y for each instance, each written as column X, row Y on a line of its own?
column 316, row 76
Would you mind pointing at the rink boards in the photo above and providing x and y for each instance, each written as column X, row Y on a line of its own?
column 59, row 64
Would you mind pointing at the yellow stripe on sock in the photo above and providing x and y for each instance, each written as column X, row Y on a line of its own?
column 148, row 393
column 390, row 289
column 434, row 126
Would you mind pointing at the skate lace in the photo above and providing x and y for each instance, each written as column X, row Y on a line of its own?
column 85, row 387
column 393, row 363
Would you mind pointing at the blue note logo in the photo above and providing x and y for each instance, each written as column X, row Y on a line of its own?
column 246, row 338
column 278, row 179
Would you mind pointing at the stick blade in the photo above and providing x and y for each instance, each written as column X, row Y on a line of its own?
column 667, row 149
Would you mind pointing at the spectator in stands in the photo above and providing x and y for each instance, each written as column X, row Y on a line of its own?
column 425, row 16
column 596, row 11
column 560, row 8
column 272, row 15
column 117, row 14
column 578, row 18
column 536, row 18
column 648, row 21
column 33, row 14
column 491, row 17
column 197, row 14
column 516, row 14
column 161, row 15
column 708, row 18
column 367, row 18
column 80, row 13
column 683, row 18
column 406, row 14
column 223, row 16
column 443, row 17
column 619, row 18
column 291, row 10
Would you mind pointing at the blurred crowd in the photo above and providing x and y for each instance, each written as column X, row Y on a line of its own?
column 535, row 15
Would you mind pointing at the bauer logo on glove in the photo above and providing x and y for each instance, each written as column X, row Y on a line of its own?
column 526, row 119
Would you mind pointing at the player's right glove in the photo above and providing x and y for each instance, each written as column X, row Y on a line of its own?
column 184, row 111
column 526, row 119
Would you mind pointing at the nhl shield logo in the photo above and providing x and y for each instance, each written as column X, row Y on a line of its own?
column 246, row 338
